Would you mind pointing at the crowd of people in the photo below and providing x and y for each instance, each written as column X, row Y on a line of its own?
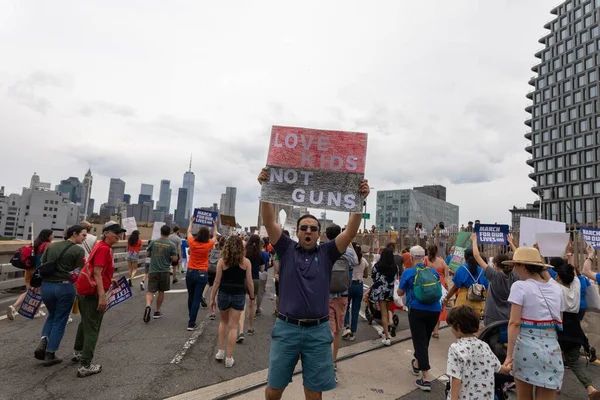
column 536, row 304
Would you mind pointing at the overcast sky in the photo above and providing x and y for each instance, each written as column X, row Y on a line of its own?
column 131, row 88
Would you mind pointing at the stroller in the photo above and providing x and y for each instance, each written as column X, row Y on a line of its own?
column 373, row 312
column 496, row 336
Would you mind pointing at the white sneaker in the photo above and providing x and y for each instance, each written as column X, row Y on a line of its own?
column 11, row 313
column 386, row 341
column 229, row 362
column 40, row 314
column 70, row 320
column 220, row 355
column 346, row 333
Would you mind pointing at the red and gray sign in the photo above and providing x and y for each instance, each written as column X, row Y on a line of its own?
column 315, row 168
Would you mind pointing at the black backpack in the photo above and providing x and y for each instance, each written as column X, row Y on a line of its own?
column 340, row 275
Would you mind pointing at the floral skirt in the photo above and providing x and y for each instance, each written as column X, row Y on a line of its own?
column 537, row 358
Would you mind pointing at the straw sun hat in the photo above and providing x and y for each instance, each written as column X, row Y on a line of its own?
column 528, row 256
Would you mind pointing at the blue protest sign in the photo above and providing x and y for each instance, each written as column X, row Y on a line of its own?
column 31, row 304
column 204, row 217
column 591, row 236
column 118, row 294
column 491, row 233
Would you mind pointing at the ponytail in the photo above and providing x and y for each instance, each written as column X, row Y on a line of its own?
column 471, row 262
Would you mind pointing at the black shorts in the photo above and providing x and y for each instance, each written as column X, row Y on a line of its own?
column 159, row 282
column 211, row 279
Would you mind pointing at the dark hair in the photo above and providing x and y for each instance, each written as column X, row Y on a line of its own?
column 221, row 242
column 432, row 253
column 464, row 319
column 286, row 232
column 253, row 249
column 43, row 237
column 74, row 230
column 203, row 235
column 333, row 231
column 441, row 225
column 133, row 239
column 175, row 229
column 391, row 245
column 499, row 259
column 557, row 262
column 165, row 230
column 309, row 217
column 358, row 250
column 471, row 262
column 266, row 241
column 534, row 269
column 386, row 265
column 566, row 273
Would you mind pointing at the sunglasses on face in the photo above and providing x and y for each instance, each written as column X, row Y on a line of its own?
column 312, row 228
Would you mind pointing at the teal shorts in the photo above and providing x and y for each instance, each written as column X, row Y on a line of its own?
column 313, row 344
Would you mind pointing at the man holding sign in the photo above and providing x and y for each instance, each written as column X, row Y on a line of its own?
column 302, row 328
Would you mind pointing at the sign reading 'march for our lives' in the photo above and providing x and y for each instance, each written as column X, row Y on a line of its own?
column 315, row 168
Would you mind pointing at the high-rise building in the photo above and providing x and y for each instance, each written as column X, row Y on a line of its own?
column 144, row 198
column 90, row 208
column 141, row 212
column 227, row 206
column 437, row 191
column 147, row 190
column 116, row 191
column 127, row 198
column 530, row 210
column 565, row 115
column 189, row 180
column 180, row 212
column 72, row 187
column 402, row 209
column 164, row 197
column 86, row 195
column 35, row 183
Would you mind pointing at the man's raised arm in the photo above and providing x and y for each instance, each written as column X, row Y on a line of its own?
column 345, row 238
column 267, row 211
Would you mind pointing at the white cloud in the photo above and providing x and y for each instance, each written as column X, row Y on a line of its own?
column 439, row 86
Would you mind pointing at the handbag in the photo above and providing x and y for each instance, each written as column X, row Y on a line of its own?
column 47, row 269
column 477, row 291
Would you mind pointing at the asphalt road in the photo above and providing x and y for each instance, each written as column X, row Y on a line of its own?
column 136, row 357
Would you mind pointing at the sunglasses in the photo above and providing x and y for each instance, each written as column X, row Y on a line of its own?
column 313, row 228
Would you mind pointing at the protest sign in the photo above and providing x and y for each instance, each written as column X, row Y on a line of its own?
column 156, row 230
column 463, row 242
column 315, row 168
column 552, row 244
column 491, row 233
column 263, row 232
column 31, row 304
column 129, row 225
column 591, row 236
column 592, row 297
column 227, row 220
column 531, row 226
column 204, row 217
column 118, row 294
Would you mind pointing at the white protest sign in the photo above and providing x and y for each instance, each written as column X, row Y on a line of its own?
column 129, row 225
column 531, row 226
column 592, row 297
column 156, row 230
column 263, row 232
column 552, row 244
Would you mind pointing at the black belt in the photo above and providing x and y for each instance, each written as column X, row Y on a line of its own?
column 302, row 322
column 356, row 280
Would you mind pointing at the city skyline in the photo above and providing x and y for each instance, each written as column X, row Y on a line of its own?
column 88, row 112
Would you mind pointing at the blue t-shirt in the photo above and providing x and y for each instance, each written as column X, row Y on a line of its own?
column 267, row 257
column 184, row 246
column 462, row 278
column 448, row 259
column 407, row 284
column 598, row 279
column 552, row 273
column 585, row 283
column 305, row 278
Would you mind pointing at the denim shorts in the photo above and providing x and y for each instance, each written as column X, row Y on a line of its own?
column 226, row 301
column 288, row 343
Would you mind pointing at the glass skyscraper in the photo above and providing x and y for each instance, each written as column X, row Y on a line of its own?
column 565, row 115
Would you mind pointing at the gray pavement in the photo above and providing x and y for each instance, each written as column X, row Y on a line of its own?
column 136, row 357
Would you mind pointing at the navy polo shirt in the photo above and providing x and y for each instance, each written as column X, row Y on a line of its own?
column 305, row 278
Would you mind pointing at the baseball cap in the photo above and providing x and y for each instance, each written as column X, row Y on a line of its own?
column 417, row 252
column 113, row 227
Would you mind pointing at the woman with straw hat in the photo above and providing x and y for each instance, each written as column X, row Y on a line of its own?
column 535, row 317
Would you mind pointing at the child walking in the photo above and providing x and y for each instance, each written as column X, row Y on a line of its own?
column 471, row 362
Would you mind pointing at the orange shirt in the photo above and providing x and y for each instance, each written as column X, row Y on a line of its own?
column 136, row 248
column 199, row 253
column 406, row 260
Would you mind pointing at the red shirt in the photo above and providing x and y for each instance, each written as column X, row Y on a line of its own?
column 103, row 257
